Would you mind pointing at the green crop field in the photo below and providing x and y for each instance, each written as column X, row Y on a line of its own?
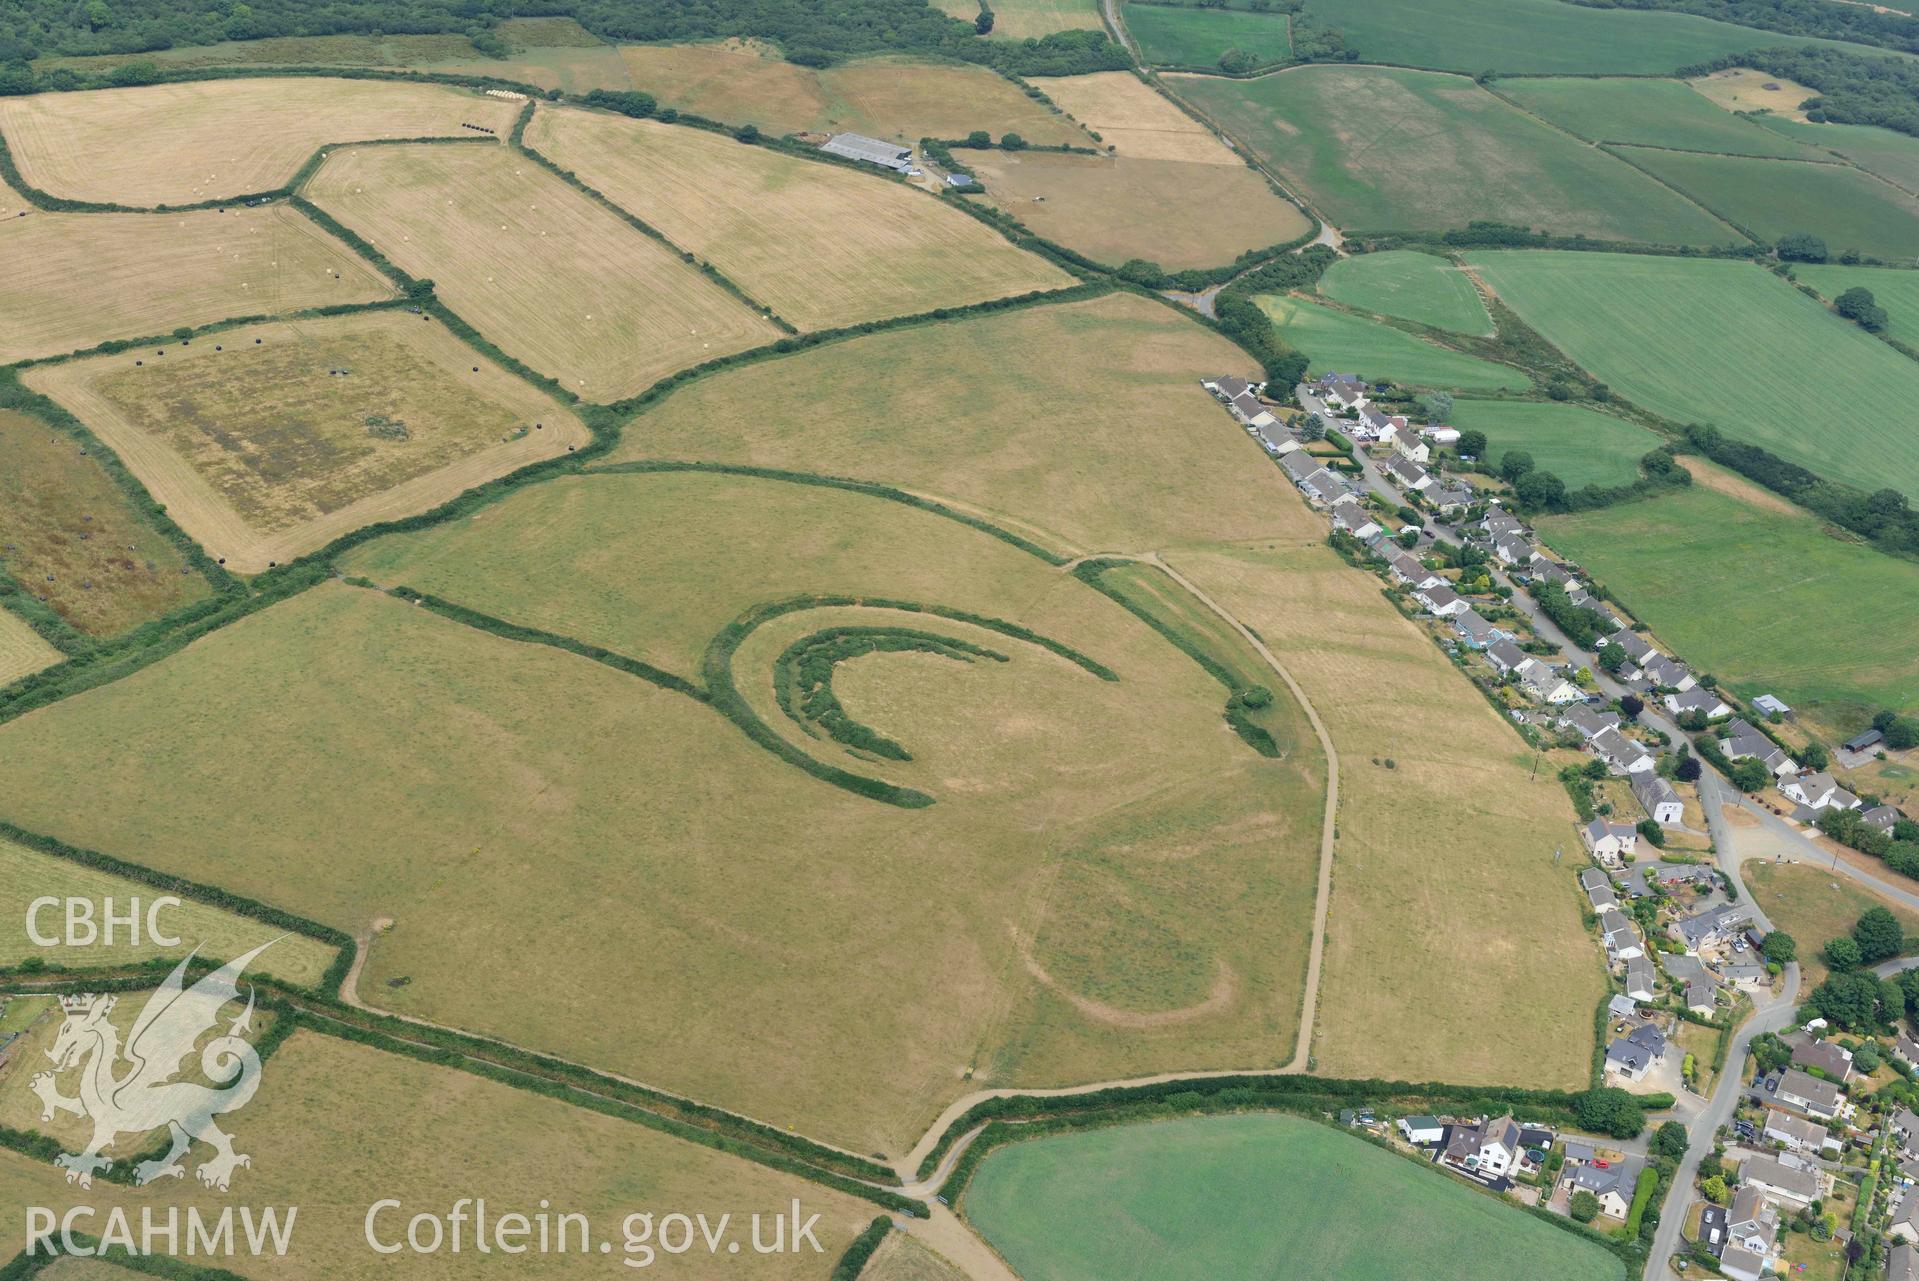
column 1895, row 290
column 1384, row 149
column 1893, row 156
column 1773, row 198
column 1660, row 331
column 1653, row 113
column 1337, row 340
column 1579, row 445
column 1758, row 594
column 1412, row 286
column 1182, row 37
column 1538, row 37
column 1253, row 1196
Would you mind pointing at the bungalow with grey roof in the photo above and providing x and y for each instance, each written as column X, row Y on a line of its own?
column 1906, row 1050
column 1748, row 974
column 1592, row 878
column 1407, row 474
column 1797, row 1183
column 1353, row 518
column 1698, row 699
column 1834, row 1061
column 1450, row 497
column 1442, row 601
column 1702, row 998
column 1796, row 1133
column 1622, row 940
column 1612, row 1184
column 1741, row 1264
column 1602, row 897
column 1657, row 797
column 1622, row 1007
column 1623, row 754
column 1512, row 549
column 1411, row 572
column 1247, row 409
column 1711, row 925
column 1881, row 818
column 1299, row 466
column 1669, row 673
column 1902, row 1263
column 1580, row 598
column 1550, row 571
column 1587, row 723
column 1323, row 488
column 1498, row 521
column 1741, row 740
column 1341, row 391
column 1507, row 657
column 1477, row 631
column 1609, row 840
column 1818, row 791
column 1683, row 968
column 1633, row 1055
column 1804, row 1093
column 1635, row 645
column 1904, row 1224
column 1549, row 685
column 1226, row 386
column 1640, row 983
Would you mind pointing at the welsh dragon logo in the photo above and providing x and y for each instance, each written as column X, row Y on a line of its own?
column 131, row 1089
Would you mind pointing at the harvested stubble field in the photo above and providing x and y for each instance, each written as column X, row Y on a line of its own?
column 1773, row 198
column 26, row 875
column 76, row 280
column 22, row 651
column 1654, row 329
column 975, row 935
column 1184, row 36
column 214, row 139
column 745, row 81
column 820, row 245
column 336, row 1127
column 1581, row 446
column 1385, row 149
column 1081, row 424
column 556, row 279
column 902, row 1258
column 1438, row 817
column 1134, row 120
column 1113, row 208
column 267, row 441
column 1338, row 340
column 1411, row 286
column 1172, row 1200
column 1652, row 113
column 1766, row 599
column 70, row 536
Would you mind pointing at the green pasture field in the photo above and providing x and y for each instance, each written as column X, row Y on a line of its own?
column 1893, row 156
column 1337, row 340
column 1081, row 425
column 1181, row 37
column 1895, row 290
column 1160, row 921
column 1385, row 149
column 1537, row 37
column 1759, row 595
column 1253, row 1196
column 1657, row 331
column 1411, row 286
column 1653, row 113
column 70, row 536
column 26, row 875
column 1773, row 198
column 1581, row 446
column 337, row 1127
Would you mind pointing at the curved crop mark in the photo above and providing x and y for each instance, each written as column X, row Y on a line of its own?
column 716, row 669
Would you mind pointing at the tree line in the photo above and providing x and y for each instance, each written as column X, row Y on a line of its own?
column 1859, row 24
column 1852, row 88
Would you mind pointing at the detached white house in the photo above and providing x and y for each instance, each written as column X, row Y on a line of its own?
column 1441, row 601
column 1622, row 753
column 1698, row 699
column 1421, row 1130
column 1351, row 517
column 1818, row 791
column 1656, row 795
column 1412, row 573
column 1609, row 840
column 1512, row 549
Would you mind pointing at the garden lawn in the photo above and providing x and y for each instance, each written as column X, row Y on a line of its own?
column 1183, row 37
column 1759, row 596
column 1897, row 291
column 1411, row 286
column 1337, row 340
column 1653, row 113
column 1659, row 331
column 1774, row 198
column 1579, row 445
column 1386, row 149
column 1253, row 1196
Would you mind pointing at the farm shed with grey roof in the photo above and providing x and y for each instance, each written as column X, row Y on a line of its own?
column 857, row 146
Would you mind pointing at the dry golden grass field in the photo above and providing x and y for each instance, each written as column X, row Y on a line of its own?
column 741, row 81
column 1082, row 424
column 1453, row 950
column 70, row 536
column 1133, row 119
column 1108, row 882
column 26, row 875
column 337, row 1127
column 22, row 651
column 903, row 1258
column 554, row 278
column 267, row 441
column 820, row 245
column 76, row 280
column 1743, row 89
column 1030, row 19
column 213, row 139
column 1815, row 905
column 1112, row 208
